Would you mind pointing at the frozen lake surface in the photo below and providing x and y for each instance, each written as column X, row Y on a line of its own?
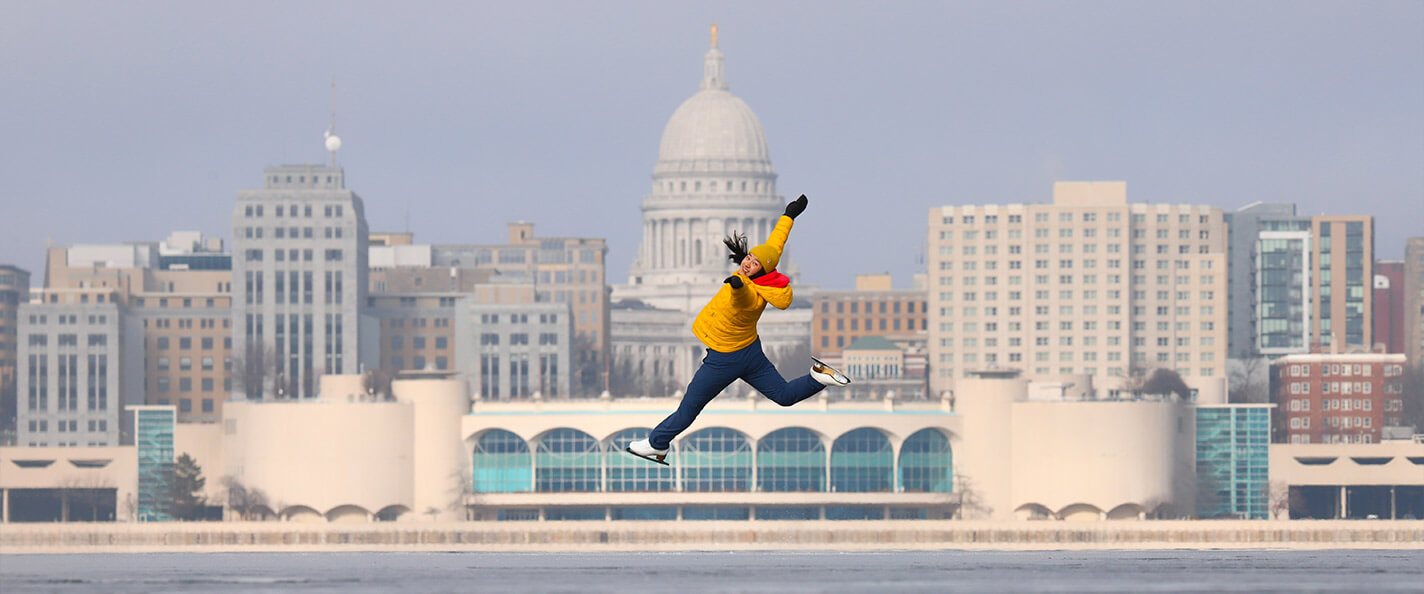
column 744, row 571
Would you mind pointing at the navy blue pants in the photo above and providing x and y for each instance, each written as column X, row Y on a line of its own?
column 717, row 372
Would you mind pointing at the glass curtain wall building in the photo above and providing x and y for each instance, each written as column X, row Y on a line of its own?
column 153, row 437
column 1232, row 461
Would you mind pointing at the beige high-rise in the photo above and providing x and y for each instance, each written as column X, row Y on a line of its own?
column 1088, row 284
column 1342, row 278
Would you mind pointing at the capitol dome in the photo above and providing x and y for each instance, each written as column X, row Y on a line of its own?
column 713, row 131
column 713, row 179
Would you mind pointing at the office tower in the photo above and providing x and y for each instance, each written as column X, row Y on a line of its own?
column 1414, row 301
column 1088, row 284
column 1343, row 274
column 1269, row 284
column 299, row 281
column 14, row 290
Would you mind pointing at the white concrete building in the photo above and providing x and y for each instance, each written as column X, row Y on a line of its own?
column 1088, row 284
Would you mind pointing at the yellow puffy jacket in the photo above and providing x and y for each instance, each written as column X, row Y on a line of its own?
column 728, row 322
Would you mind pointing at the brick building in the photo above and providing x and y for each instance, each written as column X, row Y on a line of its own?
column 1336, row 398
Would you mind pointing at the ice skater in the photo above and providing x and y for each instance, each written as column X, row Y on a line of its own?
column 727, row 326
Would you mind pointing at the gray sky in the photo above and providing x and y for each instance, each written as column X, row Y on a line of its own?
column 127, row 120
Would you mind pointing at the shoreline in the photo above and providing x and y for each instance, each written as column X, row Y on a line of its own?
column 667, row 536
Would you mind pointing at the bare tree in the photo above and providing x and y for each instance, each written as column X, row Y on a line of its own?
column 1278, row 499
column 252, row 369
column 241, row 499
column 1248, row 379
column 971, row 501
column 377, row 384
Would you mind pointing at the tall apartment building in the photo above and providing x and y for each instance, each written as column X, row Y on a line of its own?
column 1337, row 398
column 1343, row 274
column 1414, row 301
column 1389, row 325
column 1269, row 285
column 14, row 290
column 299, row 271
column 874, row 308
column 562, row 270
column 175, row 314
column 70, row 360
column 1088, row 284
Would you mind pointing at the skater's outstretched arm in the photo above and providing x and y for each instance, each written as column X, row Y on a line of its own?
column 782, row 231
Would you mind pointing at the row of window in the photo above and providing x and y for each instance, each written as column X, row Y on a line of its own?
column 292, row 232
column 330, row 210
column 1067, row 310
column 207, row 385
column 892, row 325
column 948, row 372
column 1346, row 370
column 715, row 186
column 1087, row 217
column 885, row 307
column 1334, row 422
column 185, row 343
column 1335, row 438
column 279, row 255
column 715, row 459
column 68, row 426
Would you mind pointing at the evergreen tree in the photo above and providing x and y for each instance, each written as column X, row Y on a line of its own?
column 185, row 485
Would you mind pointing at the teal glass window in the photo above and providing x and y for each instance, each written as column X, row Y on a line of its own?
column 627, row 473
column 926, row 463
column 567, row 460
column 154, row 441
column 502, row 463
column 715, row 459
column 791, row 459
column 862, row 461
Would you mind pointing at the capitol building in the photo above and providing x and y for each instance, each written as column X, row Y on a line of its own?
column 713, row 178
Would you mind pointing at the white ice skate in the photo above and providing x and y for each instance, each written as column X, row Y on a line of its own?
column 643, row 449
column 826, row 374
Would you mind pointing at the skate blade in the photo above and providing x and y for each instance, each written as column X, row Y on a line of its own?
column 630, row 451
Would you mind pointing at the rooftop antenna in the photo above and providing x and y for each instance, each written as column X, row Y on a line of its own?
column 333, row 142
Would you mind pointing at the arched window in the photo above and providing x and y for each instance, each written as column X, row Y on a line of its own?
column 567, row 460
column 501, row 463
column 926, row 463
column 715, row 459
column 791, row 459
column 627, row 473
column 862, row 461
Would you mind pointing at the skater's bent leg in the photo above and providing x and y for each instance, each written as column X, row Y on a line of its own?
column 707, row 383
column 763, row 376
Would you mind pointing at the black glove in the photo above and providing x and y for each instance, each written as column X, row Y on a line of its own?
column 796, row 207
column 735, row 281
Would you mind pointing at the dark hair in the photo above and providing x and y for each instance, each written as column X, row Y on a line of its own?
column 737, row 243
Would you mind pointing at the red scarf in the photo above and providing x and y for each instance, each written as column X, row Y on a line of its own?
column 772, row 279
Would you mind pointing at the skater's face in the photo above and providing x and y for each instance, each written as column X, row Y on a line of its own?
column 750, row 265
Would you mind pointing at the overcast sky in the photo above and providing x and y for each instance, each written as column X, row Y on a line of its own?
column 124, row 121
